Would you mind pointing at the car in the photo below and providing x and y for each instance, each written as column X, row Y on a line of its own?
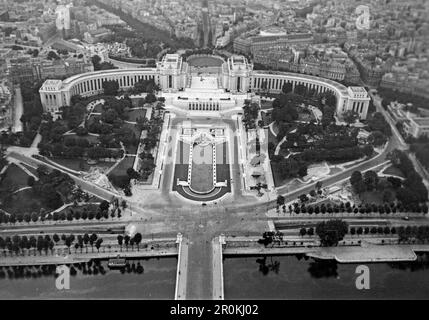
column 405, row 218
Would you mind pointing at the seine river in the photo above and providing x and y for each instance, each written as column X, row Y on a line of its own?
column 277, row 277
column 290, row 277
column 156, row 281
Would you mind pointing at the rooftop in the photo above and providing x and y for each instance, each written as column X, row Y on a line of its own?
column 238, row 60
column 358, row 89
column 52, row 85
column 171, row 61
column 424, row 122
column 338, row 86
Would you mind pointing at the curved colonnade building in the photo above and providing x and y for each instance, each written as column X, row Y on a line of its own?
column 197, row 91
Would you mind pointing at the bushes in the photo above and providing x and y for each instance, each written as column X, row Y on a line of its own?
column 376, row 122
column 334, row 155
column 386, row 208
column 101, row 153
column 331, row 232
column 304, row 231
column 121, row 181
column 81, row 131
column 420, row 233
column 413, row 190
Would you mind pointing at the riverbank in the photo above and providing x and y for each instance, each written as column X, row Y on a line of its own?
column 364, row 253
column 150, row 249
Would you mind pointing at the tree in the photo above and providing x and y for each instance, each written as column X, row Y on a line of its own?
column 98, row 244
column 285, row 108
column 356, row 180
column 350, row 116
column 370, row 179
column 300, row 89
column 111, row 87
column 96, row 62
column 104, row 205
column 109, row 116
column 52, row 56
column 34, row 217
column 35, row 53
column 328, row 116
column 376, row 122
column 287, row 87
column 280, row 200
column 303, row 197
column 388, row 196
column 68, row 243
column 92, row 240
column 137, row 239
column 377, row 138
column 132, row 174
column 120, row 241
column 150, row 98
column 86, row 241
column 331, row 232
column 27, row 217
column 30, row 181
column 127, row 241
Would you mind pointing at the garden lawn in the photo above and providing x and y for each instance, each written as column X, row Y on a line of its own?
column 132, row 149
column 134, row 114
column 90, row 138
column 14, row 178
column 202, row 177
column 119, row 176
column 391, row 170
column 121, row 168
column 276, row 175
column 371, row 197
column 22, row 202
column 266, row 104
column 98, row 108
column 31, row 169
column 181, row 173
column 80, row 164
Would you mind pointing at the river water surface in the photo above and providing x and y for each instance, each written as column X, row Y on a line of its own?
column 157, row 281
column 287, row 277
column 277, row 277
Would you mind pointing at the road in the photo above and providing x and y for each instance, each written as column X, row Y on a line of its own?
column 18, row 111
column 377, row 102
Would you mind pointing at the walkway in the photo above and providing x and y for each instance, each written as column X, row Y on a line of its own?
column 217, row 262
column 182, row 269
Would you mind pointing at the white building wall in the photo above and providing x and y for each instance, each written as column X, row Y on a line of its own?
column 91, row 83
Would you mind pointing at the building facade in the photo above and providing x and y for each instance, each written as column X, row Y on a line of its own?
column 172, row 74
column 416, row 127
